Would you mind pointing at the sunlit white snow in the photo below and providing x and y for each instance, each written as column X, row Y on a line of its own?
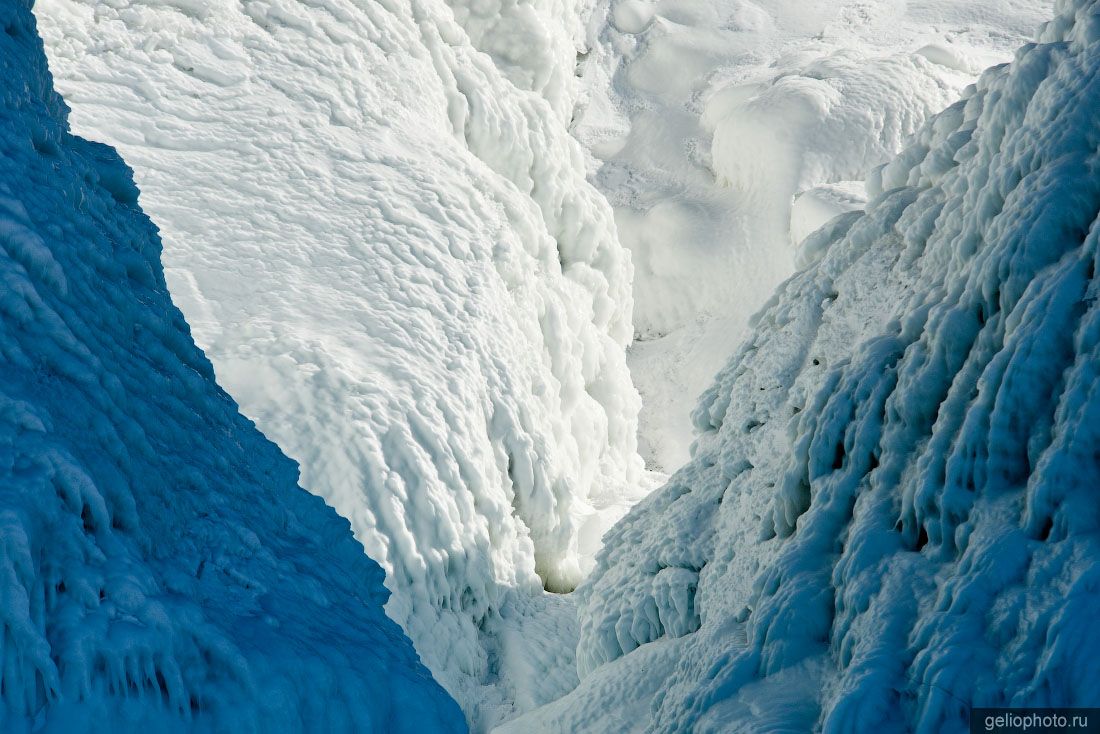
column 707, row 118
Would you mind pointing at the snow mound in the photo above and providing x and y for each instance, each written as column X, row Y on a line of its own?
column 161, row 569
column 831, row 120
column 394, row 261
column 890, row 515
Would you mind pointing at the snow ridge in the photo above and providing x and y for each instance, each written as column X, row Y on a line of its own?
column 160, row 567
column 890, row 514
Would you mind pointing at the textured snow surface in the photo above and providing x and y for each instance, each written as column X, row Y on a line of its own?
column 706, row 118
column 391, row 255
column 160, row 568
column 891, row 514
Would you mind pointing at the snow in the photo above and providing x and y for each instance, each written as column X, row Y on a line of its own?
column 706, row 119
column 160, row 569
column 384, row 240
column 816, row 207
column 890, row 515
column 381, row 231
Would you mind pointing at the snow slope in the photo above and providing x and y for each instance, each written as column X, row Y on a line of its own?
column 891, row 512
column 391, row 255
column 160, row 568
column 712, row 123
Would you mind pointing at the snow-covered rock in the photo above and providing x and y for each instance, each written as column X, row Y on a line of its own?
column 160, row 569
column 392, row 257
column 707, row 118
column 891, row 513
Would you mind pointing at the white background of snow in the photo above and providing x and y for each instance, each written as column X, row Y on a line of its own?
column 705, row 118
column 393, row 259
column 891, row 511
column 160, row 569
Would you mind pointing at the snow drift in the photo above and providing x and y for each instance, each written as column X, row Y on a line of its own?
column 890, row 514
column 160, row 568
column 391, row 255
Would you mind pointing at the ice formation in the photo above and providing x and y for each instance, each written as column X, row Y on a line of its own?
column 706, row 118
column 387, row 247
column 161, row 569
column 890, row 515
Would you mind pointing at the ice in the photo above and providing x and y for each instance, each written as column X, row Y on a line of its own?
column 891, row 508
column 160, row 569
column 381, row 231
column 384, row 240
column 705, row 121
